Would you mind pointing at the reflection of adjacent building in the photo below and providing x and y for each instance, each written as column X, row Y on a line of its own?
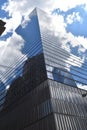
column 34, row 74
column 34, row 71
column 45, row 95
column 2, row 28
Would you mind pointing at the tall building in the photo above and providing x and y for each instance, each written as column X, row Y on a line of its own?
column 44, row 94
column 2, row 86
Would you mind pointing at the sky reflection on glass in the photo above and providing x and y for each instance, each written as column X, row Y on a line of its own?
column 69, row 58
column 39, row 34
column 40, row 29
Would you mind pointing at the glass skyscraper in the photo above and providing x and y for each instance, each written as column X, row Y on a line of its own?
column 44, row 81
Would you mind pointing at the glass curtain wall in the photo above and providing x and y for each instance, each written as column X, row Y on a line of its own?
column 61, row 64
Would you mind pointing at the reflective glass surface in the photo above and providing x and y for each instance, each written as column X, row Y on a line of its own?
column 62, row 64
column 39, row 79
column 36, row 52
column 21, row 61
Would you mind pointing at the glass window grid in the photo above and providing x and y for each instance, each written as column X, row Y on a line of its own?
column 64, row 61
column 51, row 45
column 60, row 63
column 64, row 74
column 58, row 53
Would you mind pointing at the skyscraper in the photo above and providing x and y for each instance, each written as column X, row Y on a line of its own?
column 2, row 86
column 44, row 94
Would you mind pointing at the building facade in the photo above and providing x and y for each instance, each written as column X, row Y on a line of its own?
column 44, row 94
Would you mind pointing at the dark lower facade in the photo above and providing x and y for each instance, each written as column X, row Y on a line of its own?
column 49, row 106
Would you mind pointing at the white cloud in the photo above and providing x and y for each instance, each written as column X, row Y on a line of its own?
column 57, row 30
column 17, row 9
column 74, row 17
column 26, row 5
column 10, row 56
column 67, row 4
column 12, row 23
column 81, row 86
column 77, row 40
column 25, row 21
column 81, row 40
column 85, row 7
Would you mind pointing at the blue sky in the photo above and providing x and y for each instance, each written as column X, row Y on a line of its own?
column 75, row 15
column 2, row 12
column 70, row 19
column 77, row 27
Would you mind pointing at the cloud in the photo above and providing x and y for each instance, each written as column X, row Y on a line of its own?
column 11, row 56
column 18, row 10
column 12, row 23
column 67, row 4
column 74, row 17
column 77, row 41
column 81, row 86
column 26, row 5
column 57, row 30
column 85, row 7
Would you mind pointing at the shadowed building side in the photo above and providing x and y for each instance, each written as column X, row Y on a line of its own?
column 34, row 73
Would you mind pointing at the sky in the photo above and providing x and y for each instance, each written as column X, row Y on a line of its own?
column 70, row 21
